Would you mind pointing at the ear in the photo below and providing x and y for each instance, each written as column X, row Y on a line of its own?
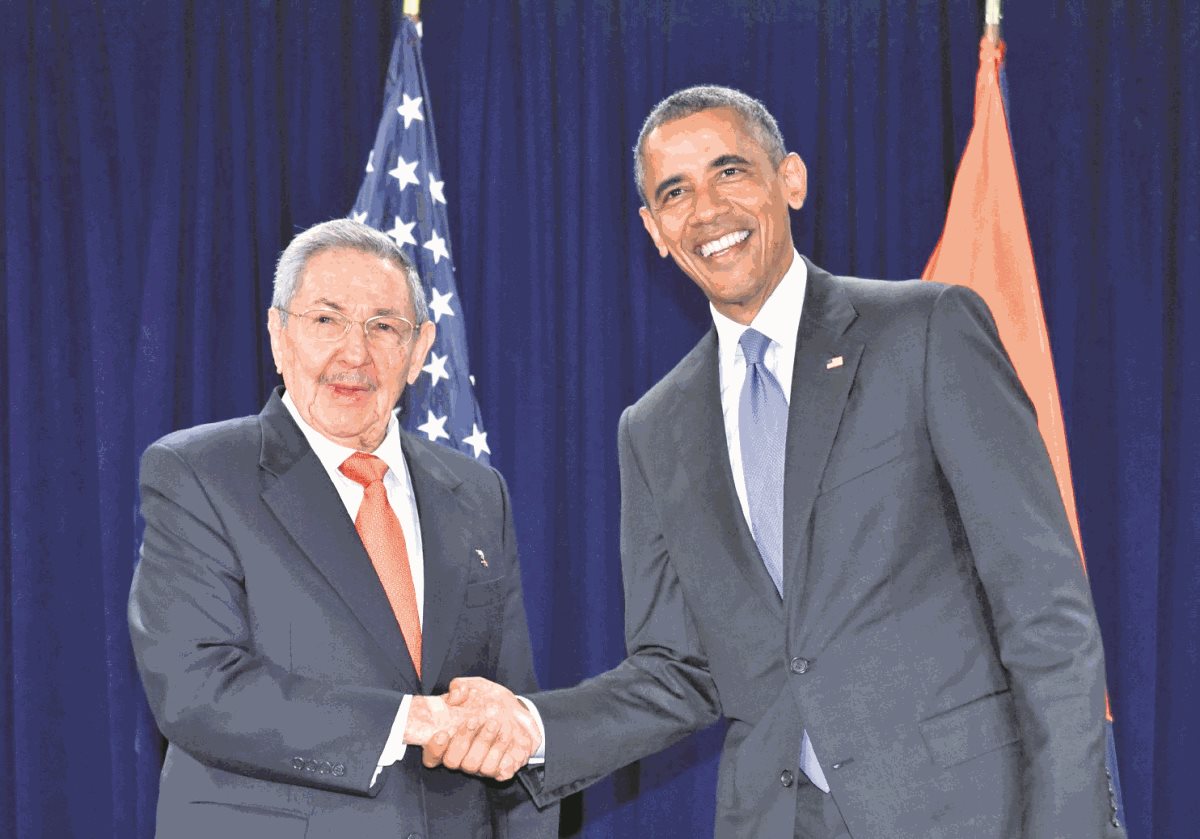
column 422, row 341
column 275, row 330
column 795, row 180
column 652, row 228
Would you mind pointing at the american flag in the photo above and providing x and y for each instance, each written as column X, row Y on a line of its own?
column 403, row 195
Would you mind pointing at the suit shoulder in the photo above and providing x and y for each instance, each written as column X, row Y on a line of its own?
column 893, row 295
column 463, row 467
column 663, row 394
column 215, row 441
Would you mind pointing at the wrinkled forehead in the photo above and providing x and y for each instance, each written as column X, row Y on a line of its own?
column 348, row 277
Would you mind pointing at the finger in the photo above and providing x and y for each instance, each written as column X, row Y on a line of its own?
column 502, row 763
column 460, row 691
column 491, row 734
column 434, row 750
column 460, row 744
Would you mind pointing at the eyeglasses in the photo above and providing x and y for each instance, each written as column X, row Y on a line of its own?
column 388, row 332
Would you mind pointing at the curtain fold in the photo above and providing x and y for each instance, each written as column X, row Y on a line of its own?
column 157, row 157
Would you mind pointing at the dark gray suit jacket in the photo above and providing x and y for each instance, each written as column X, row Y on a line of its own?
column 936, row 639
column 270, row 654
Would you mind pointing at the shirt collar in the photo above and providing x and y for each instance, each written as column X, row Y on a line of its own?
column 778, row 319
column 332, row 455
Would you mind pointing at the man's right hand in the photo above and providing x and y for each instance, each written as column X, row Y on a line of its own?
column 480, row 727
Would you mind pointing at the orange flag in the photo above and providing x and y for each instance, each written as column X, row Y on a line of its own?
column 985, row 245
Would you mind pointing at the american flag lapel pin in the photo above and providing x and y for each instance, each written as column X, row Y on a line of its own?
column 482, row 558
column 833, row 363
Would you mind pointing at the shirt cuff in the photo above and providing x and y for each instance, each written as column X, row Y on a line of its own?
column 539, row 756
column 395, row 747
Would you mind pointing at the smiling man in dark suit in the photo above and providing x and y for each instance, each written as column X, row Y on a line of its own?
column 310, row 575
column 840, row 530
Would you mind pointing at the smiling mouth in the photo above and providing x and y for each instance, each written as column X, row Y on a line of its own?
column 716, row 247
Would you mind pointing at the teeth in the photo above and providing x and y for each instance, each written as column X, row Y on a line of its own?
column 726, row 241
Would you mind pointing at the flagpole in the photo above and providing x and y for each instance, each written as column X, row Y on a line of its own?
column 412, row 9
column 991, row 21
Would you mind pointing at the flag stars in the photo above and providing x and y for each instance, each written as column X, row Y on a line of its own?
column 440, row 305
column 436, row 368
column 371, row 161
column 402, row 232
column 435, row 428
column 410, row 110
column 477, row 440
column 405, row 173
column 361, row 218
column 437, row 246
column 436, row 188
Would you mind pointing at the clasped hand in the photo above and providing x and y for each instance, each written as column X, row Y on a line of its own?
column 478, row 727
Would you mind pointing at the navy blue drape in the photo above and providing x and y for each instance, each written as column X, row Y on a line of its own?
column 156, row 158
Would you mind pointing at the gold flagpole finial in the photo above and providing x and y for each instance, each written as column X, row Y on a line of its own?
column 412, row 9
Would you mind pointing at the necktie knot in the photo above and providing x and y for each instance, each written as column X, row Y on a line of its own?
column 754, row 346
column 363, row 468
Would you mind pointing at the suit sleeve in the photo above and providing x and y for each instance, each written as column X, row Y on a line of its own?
column 660, row 693
column 211, row 694
column 514, row 814
column 986, row 440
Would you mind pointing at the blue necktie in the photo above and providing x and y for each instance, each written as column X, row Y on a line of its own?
column 762, row 432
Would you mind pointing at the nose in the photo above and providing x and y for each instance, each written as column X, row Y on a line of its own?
column 353, row 348
column 709, row 204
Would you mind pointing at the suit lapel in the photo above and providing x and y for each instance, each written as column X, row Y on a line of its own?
column 699, row 429
column 310, row 509
column 444, row 535
column 820, row 388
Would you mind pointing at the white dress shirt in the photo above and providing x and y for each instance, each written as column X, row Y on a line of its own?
column 404, row 504
column 779, row 320
column 400, row 495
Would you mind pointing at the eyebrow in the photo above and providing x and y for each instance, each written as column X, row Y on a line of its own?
column 387, row 311
column 717, row 163
column 725, row 159
column 665, row 185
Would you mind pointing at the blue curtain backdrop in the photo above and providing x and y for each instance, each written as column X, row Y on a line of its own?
column 156, row 158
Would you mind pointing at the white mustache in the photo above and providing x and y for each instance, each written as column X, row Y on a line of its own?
column 348, row 379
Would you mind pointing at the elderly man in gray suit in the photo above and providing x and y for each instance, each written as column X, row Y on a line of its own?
column 311, row 575
column 840, row 530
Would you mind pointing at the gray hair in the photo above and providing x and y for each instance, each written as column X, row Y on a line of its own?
column 693, row 100
column 341, row 233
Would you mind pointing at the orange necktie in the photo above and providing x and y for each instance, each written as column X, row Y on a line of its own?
column 383, row 538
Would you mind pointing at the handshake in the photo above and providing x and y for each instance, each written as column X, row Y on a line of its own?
column 478, row 727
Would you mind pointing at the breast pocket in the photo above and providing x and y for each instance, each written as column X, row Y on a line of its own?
column 485, row 592
column 843, row 468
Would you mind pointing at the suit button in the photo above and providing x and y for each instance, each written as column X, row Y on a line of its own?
column 787, row 778
column 339, row 769
column 799, row 665
column 298, row 764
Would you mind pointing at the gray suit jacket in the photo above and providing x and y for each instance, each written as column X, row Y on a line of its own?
column 936, row 639
column 272, row 659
